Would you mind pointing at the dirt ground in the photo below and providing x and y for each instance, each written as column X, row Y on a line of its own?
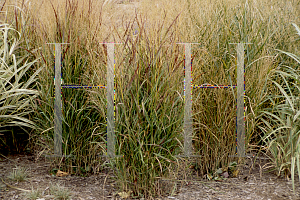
column 254, row 185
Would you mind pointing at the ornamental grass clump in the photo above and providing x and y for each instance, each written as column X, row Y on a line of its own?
column 218, row 27
column 68, row 22
column 149, row 108
column 17, row 83
column 280, row 122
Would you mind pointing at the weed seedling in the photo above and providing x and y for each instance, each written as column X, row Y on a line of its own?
column 60, row 192
column 33, row 194
column 19, row 174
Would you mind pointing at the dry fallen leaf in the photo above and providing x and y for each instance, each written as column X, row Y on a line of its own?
column 209, row 177
column 124, row 195
column 61, row 173
column 225, row 175
column 235, row 173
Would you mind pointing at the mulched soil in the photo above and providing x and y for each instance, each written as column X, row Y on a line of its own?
column 254, row 185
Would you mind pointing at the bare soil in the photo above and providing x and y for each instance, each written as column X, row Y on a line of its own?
column 254, row 185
